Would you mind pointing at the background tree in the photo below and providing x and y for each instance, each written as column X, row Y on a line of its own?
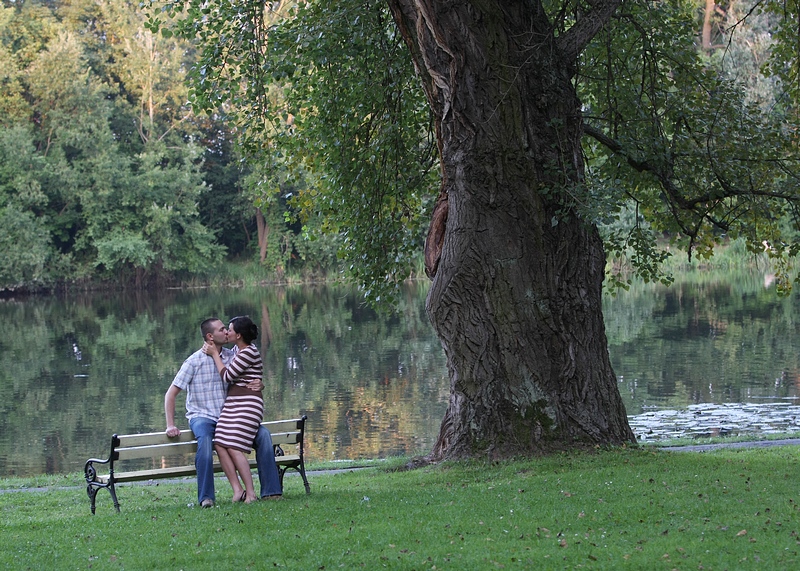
column 102, row 175
column 323, row 109
column 224, row 206
column 527, row 99
column 20, row 196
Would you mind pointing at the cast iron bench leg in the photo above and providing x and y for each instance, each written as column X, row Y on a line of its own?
column 114, row 495
column 92, row 492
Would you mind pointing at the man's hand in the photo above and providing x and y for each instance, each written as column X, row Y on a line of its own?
column 169, row 410
column 255, row 386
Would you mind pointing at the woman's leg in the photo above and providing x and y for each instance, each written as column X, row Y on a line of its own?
column 229, row 467
column 243, row 467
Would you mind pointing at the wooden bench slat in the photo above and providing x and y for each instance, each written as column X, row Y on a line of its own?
column 188, row 470
column 158, row 473
column 176, row 448
column 141, row 475
column 156, row 451
column 153, row 438
column 283, row 425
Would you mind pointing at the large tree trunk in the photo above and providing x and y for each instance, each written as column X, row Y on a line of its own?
column 516, row 293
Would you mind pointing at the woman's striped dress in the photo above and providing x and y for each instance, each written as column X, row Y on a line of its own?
column 244, row 409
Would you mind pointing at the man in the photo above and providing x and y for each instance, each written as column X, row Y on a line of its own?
column 205, row 396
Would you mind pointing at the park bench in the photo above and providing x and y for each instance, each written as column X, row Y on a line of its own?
column 154, row 455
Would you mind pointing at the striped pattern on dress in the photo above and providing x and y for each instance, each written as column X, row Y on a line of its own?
column 244, row 409
column 238, row 424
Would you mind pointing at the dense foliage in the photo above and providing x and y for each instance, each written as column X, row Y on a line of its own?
column 701, row 144
column 683, row 142
column 325, row 96
column 106, row 172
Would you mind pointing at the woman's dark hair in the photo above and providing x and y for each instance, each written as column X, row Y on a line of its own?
column 245, row 327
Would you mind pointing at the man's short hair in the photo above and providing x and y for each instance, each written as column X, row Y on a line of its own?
column 208, row 326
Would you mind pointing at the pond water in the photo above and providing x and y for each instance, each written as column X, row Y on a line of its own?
column 715, row 353
column 77, row 369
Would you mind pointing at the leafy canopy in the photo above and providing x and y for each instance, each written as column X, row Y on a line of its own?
column 99, row 173
column 682, row 140
column 326, row 90
column 671, row 135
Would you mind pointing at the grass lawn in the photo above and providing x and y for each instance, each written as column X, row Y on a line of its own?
column 610, row 509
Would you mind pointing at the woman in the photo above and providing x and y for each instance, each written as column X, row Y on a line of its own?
column 244, row 408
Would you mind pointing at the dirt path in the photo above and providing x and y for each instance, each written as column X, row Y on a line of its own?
column 751, row 444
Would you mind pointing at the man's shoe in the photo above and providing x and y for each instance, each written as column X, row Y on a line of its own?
column 207, row 503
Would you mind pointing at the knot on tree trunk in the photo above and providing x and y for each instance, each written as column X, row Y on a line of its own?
column 435, row 239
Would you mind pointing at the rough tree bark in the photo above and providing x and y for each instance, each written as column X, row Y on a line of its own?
column 517, row 275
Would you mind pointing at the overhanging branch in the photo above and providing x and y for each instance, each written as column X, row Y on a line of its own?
column 665, row 178
column 572, row 42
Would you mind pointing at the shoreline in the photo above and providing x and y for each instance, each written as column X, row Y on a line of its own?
column 327, row 471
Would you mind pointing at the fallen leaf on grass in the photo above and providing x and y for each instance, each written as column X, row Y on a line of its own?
column 741, row 533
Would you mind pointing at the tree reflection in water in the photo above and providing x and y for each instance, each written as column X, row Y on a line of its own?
column 371, row 385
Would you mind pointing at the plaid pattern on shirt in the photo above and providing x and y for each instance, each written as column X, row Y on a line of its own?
column 205, row 391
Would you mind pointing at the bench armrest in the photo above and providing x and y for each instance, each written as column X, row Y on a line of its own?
column 89, row 471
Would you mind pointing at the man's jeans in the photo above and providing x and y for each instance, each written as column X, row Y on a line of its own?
column 265, row 460
column 203, row 429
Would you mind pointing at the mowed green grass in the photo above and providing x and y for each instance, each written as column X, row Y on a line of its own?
column 608, row 509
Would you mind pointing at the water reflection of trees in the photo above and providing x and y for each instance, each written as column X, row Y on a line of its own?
column 379, row 384
column 709, row 337
column 371, row 385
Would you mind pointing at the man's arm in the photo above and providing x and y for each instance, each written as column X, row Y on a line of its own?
column 169, row 410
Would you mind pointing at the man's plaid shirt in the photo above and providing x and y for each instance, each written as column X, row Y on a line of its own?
column 205, row 391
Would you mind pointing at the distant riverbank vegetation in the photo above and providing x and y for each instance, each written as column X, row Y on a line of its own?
column 110, row 179
column 730, row 255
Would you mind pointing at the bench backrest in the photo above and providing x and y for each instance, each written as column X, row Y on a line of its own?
column 148, row 445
